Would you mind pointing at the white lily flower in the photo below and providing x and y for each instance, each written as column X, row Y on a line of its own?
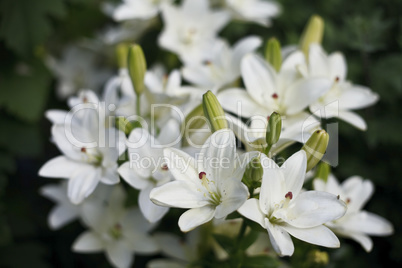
column 146, row 168
column 268, row 91
column 357, row 224
column 191, row 29
column 254, row 10
column 64, row 212
column 118, row 231
column 180, row 251
column 284, row 209
column 211, row 188
column 77, row 69
column 90, row 153
column 119, row 91
column 343, row 95
column 138, row 9
column 222, row 65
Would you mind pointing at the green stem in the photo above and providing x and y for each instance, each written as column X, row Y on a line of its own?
column 267, row 149
column 138, row 105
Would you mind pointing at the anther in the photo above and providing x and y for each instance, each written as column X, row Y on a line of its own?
column 202, row 175
column 289, row 195
column 83, row 150
column 275, row 96
column 165, row 167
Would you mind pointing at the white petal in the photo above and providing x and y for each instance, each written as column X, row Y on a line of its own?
column 259, row 78
column 62, row 215
column 118, row 254
column 238, row 101
column 195, row 217
column 301, row 94
column 353, row 119
column 291, row 62
column 319, row 235
column 280, row 239
column 364, row 240
column 88, row 242
column 244, row 46
column 56, row 116
column 60, row 167
column 294, row 172
column 368, row 223
column 358, row 191
column 318, row 63
column 129, row 174
column 313, row 208
column 172, row 245
column 251, row 210
column 181, row 165
column 234, row 194
column 82, row 184
column 357, row 97
column 110, row 176
column 273, row 187
column 151, row 212
column 142, row 243
column 181, row 194
column 337, row 66
column 217, row 157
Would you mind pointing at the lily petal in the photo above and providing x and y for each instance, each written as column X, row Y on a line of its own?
column 251, row 210
column 151, row 212
column 280, row 239
column 319, row 235
column 88, row 242
column 195, row 217
column 294, row 171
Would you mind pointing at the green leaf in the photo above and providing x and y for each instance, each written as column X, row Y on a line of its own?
column 248, row 240
column 260, row 261
column 225, row 242
column 26, row 24
column 25, row 91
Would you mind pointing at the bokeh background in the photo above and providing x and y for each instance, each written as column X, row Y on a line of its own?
column 368, row 32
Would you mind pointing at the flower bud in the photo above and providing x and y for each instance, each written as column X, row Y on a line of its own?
column 273, row 129
column 312, row 33
column 253, row 174
column 323, row 170
column 213, row 112
column 315, row 148
column 121, row 55
column 137, row 67
column 126, row 126
column 273, row 53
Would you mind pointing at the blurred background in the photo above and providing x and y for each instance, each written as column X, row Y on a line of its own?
column 368, row 32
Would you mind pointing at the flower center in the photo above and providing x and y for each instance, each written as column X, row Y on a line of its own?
column 116, row 231
column 210, row 187
column 92, row 156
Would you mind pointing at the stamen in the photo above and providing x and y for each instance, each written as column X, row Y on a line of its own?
column 83, row 150
column 165, row 167
column 337, row 79
column 275, row 96
column 84, row 99
column 202, row 175
column 348, row 200
column 289, row 195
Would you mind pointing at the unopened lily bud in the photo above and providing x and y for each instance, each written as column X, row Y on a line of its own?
column 315, row 148
column 273, row 53
column 253, row 174
column 137, row 66
column 318, row 257
column 213, row 112
column 323, row 170
column 273, row 129
column 126, row 126
column 121, row 55
column 312, row 33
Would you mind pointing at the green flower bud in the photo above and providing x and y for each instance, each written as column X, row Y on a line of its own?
column 137, row 66
column 213, row 112
column 273, row 130
column 121, row 55
column 273, row 53
column 317, row 257
column 126, row 126
column 323, row 170
column 312, row 33
column 315, row 148
column 253, row 174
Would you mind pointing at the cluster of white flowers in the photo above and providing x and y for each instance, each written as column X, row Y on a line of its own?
column 159, row 142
